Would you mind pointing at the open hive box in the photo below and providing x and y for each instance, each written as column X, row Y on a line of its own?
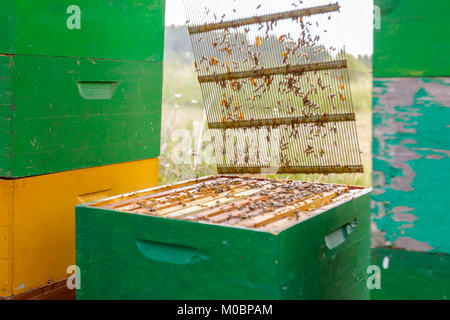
column 225, row 237
column 241, row 202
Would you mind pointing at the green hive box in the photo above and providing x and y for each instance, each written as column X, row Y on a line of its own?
column 412, row 40
column 81, row 84
column 112, row 29
column 133, row 256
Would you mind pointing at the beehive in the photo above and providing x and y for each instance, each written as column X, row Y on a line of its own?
column 81, row 84
column 226, row 237
column 80, row 113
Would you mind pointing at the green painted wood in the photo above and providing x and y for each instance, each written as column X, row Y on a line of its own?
column 130, row 256
column 413, row 39
column 59, row 114
column 113, row 29
column 411, row 154
column 7, row 105
column 411, row 275
column 309, row 269
column 411, row 161
column 7, row 26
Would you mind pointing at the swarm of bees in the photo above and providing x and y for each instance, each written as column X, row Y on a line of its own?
column 276, row 71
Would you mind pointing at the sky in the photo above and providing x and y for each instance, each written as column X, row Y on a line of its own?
column 356, row 17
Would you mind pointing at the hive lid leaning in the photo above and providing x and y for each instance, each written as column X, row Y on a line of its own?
column 275, row 86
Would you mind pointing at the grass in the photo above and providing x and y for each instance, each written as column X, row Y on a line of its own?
column 183, row 116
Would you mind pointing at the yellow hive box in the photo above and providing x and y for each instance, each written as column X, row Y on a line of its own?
column 37, row 219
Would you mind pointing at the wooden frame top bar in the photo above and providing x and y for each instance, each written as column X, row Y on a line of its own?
column 282, row 121
column 266, row 18
column 269, row 205
column 289, row 169
column 297, row 69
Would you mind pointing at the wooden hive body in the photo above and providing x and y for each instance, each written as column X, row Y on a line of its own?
column 76, row 96
column 124, row 255
column 37, row 221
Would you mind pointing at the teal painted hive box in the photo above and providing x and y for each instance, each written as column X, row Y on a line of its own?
column 80, row 84
column 226, row 238
column 411, row 153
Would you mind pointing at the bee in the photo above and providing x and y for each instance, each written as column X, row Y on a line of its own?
column 258, row 41
column 321, row 153
column 309, row 150
column 228, row 67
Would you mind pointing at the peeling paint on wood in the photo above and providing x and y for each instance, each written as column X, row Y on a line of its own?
column 400, row 214
column 411, row 161
column 411, row 244
column 411, row 150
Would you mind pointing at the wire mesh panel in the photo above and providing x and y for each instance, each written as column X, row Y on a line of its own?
column 275, row 85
